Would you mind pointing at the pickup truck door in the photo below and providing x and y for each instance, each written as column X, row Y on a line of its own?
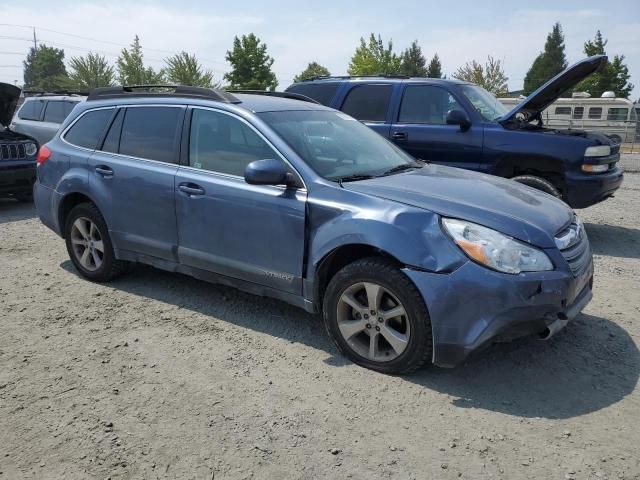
column 420, row 128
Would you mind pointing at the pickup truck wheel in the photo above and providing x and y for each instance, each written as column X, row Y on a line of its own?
column 89, row 244
column 377, row 317
column 538, row 183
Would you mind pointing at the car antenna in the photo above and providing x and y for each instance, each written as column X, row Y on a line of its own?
column 340, row 182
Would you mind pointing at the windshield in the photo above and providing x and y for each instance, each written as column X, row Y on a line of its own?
column 484, row 102
column 336, row 146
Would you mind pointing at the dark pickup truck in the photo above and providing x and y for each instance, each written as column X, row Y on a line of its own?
column 460, row 124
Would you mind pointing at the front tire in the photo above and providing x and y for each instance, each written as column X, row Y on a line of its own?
column 538, row 183
column 89, row 244
column 377, row 317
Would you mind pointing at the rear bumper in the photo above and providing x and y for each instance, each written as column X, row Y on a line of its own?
column 584, row 190
column 17, row 177
column 46, row 201
column 474, row 307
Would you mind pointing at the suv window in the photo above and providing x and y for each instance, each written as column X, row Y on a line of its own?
column 426, row 104
column 150, row 132
column 321, row 92
column 222, row 143
column 112, row 140
column 31, row 110
column 86, row 132
column 57, row 110
column 368, row 103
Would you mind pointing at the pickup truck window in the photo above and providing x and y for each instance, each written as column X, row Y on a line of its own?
column 484, row 102
column 426, row 104
column 368, row 103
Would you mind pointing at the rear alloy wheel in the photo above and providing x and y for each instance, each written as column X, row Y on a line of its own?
column 87, row 243
column 377, row 317
column 538, row 183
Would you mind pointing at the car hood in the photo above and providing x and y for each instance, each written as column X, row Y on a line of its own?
column 504, row 205
column 9, row 95
column 554, row 88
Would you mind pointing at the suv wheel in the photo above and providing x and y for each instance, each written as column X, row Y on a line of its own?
column 538, row 183
column 89, row 244
column 377, row 317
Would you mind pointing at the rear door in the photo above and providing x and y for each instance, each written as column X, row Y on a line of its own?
column 131, row 176
column 370, row 103
column 420, row 128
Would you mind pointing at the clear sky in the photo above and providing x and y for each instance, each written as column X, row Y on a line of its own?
column 327, row 32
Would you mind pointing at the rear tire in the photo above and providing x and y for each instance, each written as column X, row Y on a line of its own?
column 538, row 183
column 377, row 317
column 89, row 245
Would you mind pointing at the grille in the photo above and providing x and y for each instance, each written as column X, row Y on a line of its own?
column 574, row 246
column 12, row 151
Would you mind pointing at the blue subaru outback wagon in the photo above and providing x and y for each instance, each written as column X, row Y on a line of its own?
column 408, row 262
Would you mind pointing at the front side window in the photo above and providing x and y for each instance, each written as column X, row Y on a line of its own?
column 426, row 104
column 617, row 113
column 563, row 111
column 368, row 103
column 336, row 146
column 595, row 113
column 31, row 110
column 150, row 132
column 486, row 104
column 578, row 112
column 87, row 131
column 222, row 143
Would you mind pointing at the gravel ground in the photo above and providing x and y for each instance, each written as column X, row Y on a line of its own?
column 161, row 376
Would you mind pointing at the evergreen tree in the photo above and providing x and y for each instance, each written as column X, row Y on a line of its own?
column 413, row 62
column 91, row 71
column 131, row 69
column 250, row 65
column 373, row 58
column 434, row 70
column 44, row 69
column 314, row 69
column 548, row 63
column 184, row 69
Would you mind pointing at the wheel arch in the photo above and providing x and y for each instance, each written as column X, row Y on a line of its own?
column 67, row 203
column 549, row 168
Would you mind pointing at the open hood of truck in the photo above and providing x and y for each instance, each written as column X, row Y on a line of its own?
column 548, row 93
column 9, row 95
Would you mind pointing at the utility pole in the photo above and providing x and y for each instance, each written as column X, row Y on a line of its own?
column 35, row 42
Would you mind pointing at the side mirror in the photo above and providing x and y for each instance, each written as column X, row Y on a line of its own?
column 269, row 172
column 458, row 117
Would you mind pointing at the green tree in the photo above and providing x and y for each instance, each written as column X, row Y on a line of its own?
column 434, row 70
column 314, row 69
column 131, row 69
column 184, row 69
column 91, row 71
column 250, row 65
column 614, row 76
column 44, row 69
column 548, row 63
column 491, row 76
column 373, row 58
column 413, row 62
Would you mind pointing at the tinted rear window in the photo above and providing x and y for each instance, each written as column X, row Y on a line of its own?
column 150, row 132
column 31, row 110
column 321, row 92
column 368, row 102
column 57, row 110
column 88, row 130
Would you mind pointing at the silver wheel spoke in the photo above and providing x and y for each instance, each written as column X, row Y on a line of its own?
column 349, row 328
column 397, row 340
column 374, row 295
column 350, row 300
column 96, row 259
column 394, row 312
column 373, row 344
column 81, row 226
column 77, row 241
column 92, row 230
column 84, row 259
column 99, row 246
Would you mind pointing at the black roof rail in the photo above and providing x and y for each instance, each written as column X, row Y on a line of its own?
column 291, row 95
column 154, row 91
column 346, row 77
column 49, row 93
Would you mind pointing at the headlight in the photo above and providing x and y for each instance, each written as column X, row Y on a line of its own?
column 30, row 149
column 496, row 250
column 600, row 151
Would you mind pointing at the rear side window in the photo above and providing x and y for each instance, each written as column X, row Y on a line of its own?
column 31, row 110
column 150, row 132
column 595, row 113
column 320, row 92
column 57, row 111
column 426, row 104
column 368, row 103
column 578, row 112
column 87, row 131
column 563, row 110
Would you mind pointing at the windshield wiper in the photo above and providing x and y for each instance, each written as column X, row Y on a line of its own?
column 402, row 168
column 352, row 178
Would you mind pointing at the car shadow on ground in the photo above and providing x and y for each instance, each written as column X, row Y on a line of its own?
column 590, row 365
column 13, row 211
column 613, row 240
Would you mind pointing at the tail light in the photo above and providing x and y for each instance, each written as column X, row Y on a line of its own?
column 44, row 154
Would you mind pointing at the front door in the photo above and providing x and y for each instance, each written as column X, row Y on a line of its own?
column 421, row 129
column 249, row 232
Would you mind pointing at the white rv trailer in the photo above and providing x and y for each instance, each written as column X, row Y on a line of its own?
column 615, row 117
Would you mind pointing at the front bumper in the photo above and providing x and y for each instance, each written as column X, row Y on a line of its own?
column 474, row 306
column 17, row 177
column 586, row 189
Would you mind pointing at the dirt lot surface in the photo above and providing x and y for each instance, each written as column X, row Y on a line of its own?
column 161, row 376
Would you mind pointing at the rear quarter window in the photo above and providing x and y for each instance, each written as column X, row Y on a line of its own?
column 31, row 109
column 320, row 92
column 89, row 128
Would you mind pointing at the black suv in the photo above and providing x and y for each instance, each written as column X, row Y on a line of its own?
column 462, row 125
